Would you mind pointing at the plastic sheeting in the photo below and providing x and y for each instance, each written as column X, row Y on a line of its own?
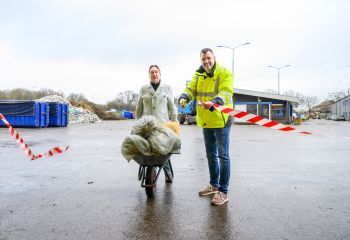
column 150, row 138
column 18, row 108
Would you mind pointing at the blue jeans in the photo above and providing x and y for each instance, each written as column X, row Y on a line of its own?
column 217, row 143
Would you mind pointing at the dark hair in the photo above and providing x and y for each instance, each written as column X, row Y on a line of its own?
column 153, row 65
column 205, row 50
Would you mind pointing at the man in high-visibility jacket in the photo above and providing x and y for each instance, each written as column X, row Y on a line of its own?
column 213, row 84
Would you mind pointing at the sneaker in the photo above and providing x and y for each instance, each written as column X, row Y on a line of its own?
column 219, row 198
column 209, row 189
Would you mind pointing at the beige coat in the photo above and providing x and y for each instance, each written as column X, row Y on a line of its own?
column 158, row 103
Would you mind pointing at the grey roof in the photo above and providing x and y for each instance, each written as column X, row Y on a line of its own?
column 293, row 100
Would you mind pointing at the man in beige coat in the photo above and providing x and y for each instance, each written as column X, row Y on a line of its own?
column 157, row 99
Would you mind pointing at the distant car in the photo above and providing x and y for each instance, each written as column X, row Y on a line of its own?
column 338, row 117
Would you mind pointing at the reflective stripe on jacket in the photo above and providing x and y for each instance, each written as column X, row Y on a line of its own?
column 205, row 88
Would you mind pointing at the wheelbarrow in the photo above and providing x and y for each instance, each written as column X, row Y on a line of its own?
column 149, row 170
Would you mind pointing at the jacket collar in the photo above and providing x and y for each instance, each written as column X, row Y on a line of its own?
column 151, row 89
column 201, row 71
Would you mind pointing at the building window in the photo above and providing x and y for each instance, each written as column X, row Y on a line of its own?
column 277, row 110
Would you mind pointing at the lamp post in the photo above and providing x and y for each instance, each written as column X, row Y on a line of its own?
column 233, row 54
column 278, row 74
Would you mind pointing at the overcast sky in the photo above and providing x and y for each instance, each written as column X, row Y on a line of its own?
column 103, row 47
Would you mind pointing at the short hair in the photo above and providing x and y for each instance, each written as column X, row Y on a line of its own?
column 153, row 65
column 205, row 50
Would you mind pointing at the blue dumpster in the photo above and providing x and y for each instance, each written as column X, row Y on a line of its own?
column 44, row 114
column 128, row 115
column 21, row 113
column 55, row 116
column 65, row 115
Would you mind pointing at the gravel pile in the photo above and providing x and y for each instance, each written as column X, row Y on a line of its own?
column 76, row 114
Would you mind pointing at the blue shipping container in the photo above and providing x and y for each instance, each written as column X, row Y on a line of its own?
column 128, row 115
column 44, row 111
column 65, row 114
column 21, row 113
column 55, row 116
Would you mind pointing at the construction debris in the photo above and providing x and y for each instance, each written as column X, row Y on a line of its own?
column 82, row 115
column 76, row 114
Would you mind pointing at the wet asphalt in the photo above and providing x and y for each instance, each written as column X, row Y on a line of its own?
column 283, row 186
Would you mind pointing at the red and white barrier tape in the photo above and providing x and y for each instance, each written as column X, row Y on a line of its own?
column 256, row 119
column 29, row 153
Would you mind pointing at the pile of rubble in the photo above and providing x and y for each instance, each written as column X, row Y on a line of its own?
column 76, row 114
column 53, row 98
column 82, row 115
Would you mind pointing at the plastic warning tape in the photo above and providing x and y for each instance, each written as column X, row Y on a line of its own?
column 29, row 153
column 248, row 117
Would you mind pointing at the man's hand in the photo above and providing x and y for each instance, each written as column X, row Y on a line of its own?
column 205, row 105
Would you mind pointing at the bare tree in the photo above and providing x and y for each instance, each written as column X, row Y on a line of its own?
column 130, row 100
column 293, row 94
column 26, row 94
column 118, row 102
column 298, row 95
column 337, row 95
column 309, row 102
column 323, row 107
column 124, row 100
column 76, row 97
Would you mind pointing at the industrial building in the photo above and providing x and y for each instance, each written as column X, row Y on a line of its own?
column 341, row 108
column 271, row 106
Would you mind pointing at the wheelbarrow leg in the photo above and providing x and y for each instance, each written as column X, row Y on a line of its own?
column 171, row 168
column 141, row 173
column 168, row 171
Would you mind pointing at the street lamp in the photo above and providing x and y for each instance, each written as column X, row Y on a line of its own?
column 278, row 74
column 233, row 53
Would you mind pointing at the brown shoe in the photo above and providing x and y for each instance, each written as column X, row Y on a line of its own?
column 219, row 198
column 207, row 190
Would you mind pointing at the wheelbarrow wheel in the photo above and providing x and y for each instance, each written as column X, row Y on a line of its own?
column 150, row 179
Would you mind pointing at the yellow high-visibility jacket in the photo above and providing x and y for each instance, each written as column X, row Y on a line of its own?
column 204, row 87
